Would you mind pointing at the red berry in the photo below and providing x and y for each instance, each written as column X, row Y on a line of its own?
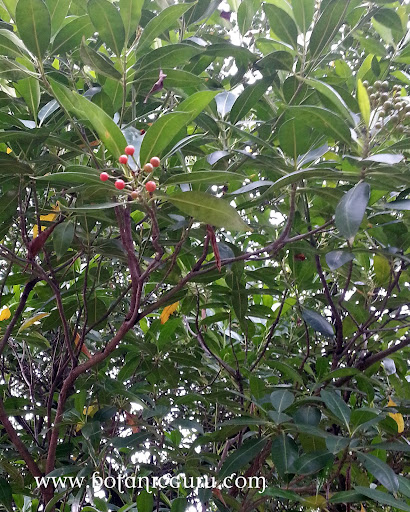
column 129, row 150
column 119, row 184
column 151, row 186
column 123, row 159
column 142, row 131
column 104, row 176
column 148, row 168
column 155, row 161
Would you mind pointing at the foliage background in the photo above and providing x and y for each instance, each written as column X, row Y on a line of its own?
column 278, row 235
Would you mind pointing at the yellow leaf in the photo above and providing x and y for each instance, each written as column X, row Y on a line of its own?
column 84, row 349
column 8, row 151
column 362, row 509
column 28, row 323
column 47, row 218
column 167, row 312
column 398, row 418
column 5, row 314
column 88, row 411
column 364, row 102
column 315, row 502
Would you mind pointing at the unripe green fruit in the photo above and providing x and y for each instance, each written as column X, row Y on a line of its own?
column 400, row 128
column 366, row 83
column 377, row 84
column 378, row 126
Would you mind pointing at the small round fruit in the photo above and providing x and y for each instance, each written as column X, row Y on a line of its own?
column 148, row 167
column 373, row 97
column 394, row 118
column 370, row 89
column 155, row 161
column 150, row 186
column 378, row 126
column 123, row 159
column 400, row 128
column 385, row 85
column 365, row 83
column 384, row 96
column 382, row 113
column 129, row 150
column 104, row 176
column 134, row 194
column 119, row 184
column 377, row 84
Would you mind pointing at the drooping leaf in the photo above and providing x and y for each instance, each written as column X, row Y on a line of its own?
column 34, row 25
column 317, row 322
column 327, row 26
column 130, row 11
column 351, row 209
column 313, row 462
column 282, row 24
column 62, row 238
column 380, row 470
column 30, row 321
column 337, row 406
column 303, row 11
column 284, row 454
column 248, row 98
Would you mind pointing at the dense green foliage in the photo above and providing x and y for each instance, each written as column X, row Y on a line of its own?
column 250, row 315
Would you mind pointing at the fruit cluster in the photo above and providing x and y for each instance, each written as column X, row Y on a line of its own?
column 391, row 105
column 135, row 179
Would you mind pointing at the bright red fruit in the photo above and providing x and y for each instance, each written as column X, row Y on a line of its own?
column 150, row 186
column 148, row 167
column 155, row 161
column 104, row 176
column 119, row 184
column 129, row 150
column 123, row 159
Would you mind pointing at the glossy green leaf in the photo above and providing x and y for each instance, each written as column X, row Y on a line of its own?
column 107, row 21
column 29, row 90
column 130, row 11
column 170, row 55
column 389, row 18
column 399, row 204
column 179, row 505
column 58, row 11
column 281, row 24
column 98, row 62
column 69, row 37
column 308, row 415
column 327, row 26
column 107, row 130
column 337, row 406
column 311, row 463
column 209, row 210
column 364, row 102
column 317, row 322
column 275, row 61
column 248, row 98
column 34, row 25
column 351, row 209
column 281, row 399
column 380, row 470
column 383, row 498
column 145, row 501
column 303, row 11
column 284, row 454
column 10, row 44
column 11, row 70
column 212, row 177
column 166, row 19
column 242, row 456
column 63, row 236
column 330, row 93
column 295, row 138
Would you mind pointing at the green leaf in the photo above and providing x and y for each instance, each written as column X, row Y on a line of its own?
column 98, row 62
column 107, row 21
column 331, row 94
column 159, row 24
column 282, row 24
column 347, row 497
column 295, row 138
column 69, row 37
column 170, row 55
column 58, row 11
column 10, row 44
column 11, row 70
column 308, row 415
column 145, row 501
column 327, row 26
column 337, row 406
column 364, row 102
column 274, row 61
column 29, row 90
column 398, row 205
column 6, row 494
column 224, row 102
column 284, row 453
column 303, row 11
column 389, row 18
column 130, row 12
column 281, row 399
column 382, row 269
column 380, row 470
column 242, row 456
column 239, row 295
column 63, row 236
column 246, row 12
column 383, row 498
column 107, row 130
column 179, row 505
column 34, row 25
column 351, row 209
column 10, row 165
column 209, row 210
column 248, row 98
column 317, row 322
column 312, row 462
column 327, row 122
column 336, row 259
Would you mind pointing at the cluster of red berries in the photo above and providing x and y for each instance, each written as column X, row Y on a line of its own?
column 119, row 184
